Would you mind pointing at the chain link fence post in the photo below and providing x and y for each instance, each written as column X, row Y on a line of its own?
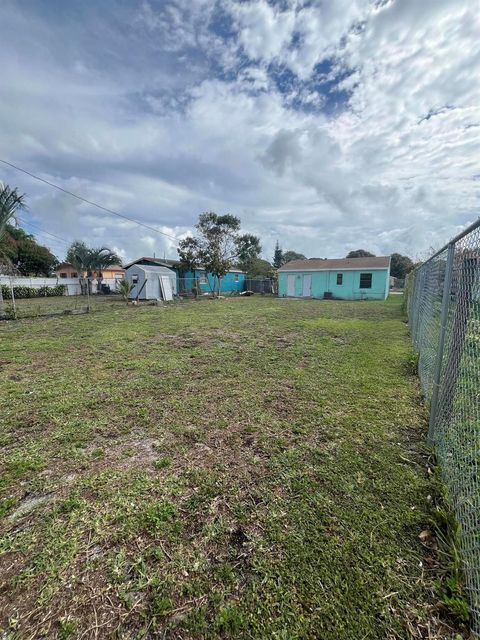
column 447, row 284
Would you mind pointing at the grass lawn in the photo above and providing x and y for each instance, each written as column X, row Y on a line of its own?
column 41, row 306
column 245, row 468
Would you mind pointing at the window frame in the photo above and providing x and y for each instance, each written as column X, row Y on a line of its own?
column 362, row 277
column 339, row 279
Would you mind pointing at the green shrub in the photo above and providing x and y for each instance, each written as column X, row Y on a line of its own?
column 32, row 292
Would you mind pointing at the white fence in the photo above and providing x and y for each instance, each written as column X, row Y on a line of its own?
column 72, row 285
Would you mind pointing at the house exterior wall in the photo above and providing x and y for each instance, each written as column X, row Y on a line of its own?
column 65, row 271
column 326, row 281
column 232, row 281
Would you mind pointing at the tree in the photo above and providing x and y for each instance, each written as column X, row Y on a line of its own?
column 259, row 268
column 101, row 258
column 29, row 257
column 10, row 203
column 400, row 265
column 288, row 256
column 360, row 253
column 78, row 255
column 88, row 261
column 217, row 246
column 278, row 258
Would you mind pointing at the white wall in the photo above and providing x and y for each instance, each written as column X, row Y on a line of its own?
column 72, row 284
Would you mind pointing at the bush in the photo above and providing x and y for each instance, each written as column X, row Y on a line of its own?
column 32, row 292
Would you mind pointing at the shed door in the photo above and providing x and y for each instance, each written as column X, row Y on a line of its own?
column 166, row 287
column 290, row 285
column 307, row 286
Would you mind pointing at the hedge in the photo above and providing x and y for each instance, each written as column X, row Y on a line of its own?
column 32, row 292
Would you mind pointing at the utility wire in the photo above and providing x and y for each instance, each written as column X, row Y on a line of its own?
column 94, row 204
column 36, row 226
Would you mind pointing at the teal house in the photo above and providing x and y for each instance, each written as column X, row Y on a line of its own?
column 234, row 280
column 339, row 279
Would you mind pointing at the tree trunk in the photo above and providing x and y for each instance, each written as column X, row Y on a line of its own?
column 2, row 303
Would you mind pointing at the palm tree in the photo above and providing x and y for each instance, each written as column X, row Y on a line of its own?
column 101, row 258
column 79, row 255
column 89, row 261
column 10, row 203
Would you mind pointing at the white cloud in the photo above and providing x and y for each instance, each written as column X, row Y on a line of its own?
column 161, row 116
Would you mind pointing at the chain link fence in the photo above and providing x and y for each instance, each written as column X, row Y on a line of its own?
column 16, row 306
column 444, row 317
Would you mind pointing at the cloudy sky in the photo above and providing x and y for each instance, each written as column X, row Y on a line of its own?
column 326, row 124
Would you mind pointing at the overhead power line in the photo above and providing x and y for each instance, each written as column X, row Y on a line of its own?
column 82, row 199
column 36, row 226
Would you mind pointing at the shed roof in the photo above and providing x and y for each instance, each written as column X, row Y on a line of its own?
column 331, row 264
column 153, row 269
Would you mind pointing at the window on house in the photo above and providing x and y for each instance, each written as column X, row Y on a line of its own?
column 203, row 278
column 237, row 277
column 63, row 274
column 74, row 274
column 134, row 278
column 365, row 281
column 339, row 278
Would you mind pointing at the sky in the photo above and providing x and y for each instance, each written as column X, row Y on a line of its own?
column 328, row 125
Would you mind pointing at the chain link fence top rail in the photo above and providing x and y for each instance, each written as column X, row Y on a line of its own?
column 444, row 318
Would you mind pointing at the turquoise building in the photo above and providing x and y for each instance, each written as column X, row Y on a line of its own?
column 340, row 279
column 234, row 280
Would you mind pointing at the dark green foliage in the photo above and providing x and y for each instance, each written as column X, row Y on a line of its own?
column 400, row 265
column 258, row 268
column 29, row 257
column 288, row 256
column 32, row 292
column 360, row 253
column 278, row 256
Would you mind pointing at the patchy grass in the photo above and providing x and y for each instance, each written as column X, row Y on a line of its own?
column 43, row 306
column 245, row 468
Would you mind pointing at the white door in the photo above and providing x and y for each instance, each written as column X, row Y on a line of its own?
column 307, row 286
column 290, row 286
column 166, row 287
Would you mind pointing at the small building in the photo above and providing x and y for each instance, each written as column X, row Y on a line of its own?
column 151, row 282
column 67, row 270
column 234, row 280
column 365, row 278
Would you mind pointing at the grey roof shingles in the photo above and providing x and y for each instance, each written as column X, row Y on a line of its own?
column 332, row 264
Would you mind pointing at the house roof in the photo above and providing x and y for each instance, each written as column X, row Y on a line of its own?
column 167, row 262
column 114, row 267
column 161, row 262
column 332, row 264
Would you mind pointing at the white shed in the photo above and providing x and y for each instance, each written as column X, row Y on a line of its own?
column 151, row 282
